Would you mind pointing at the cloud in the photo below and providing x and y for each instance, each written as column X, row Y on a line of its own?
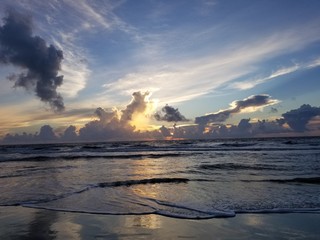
column 252, row 103
column 165, row 131
column 70, row 134
column 109, row 124
column 269, row 127
column 20, row 48
column 59, row 23
column 170, row 115
column 106, row 116
column 46, row 134
column 118, row 124
column 90, row 12
column 138, row 104
column 114, row 124
column 74, row 68
column 244, row 124
column 109, row 127
column 248, row 84
column 298, row 119
column 197, row 76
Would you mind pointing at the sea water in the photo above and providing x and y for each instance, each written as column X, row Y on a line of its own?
column 194, row 179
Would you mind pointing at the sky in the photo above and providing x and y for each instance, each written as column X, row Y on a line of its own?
column 109, row 70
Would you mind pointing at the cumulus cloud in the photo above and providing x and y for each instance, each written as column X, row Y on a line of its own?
column 244, row 125
column 110, row 125
column 165, row 131
column 170, row 114
column 70, row 134
column 41, row 63
column 269, row 127
column 117, row 124
column 255, row 101
column 298, row 119
column 46, row 133
column 138, row 104
column 106, row 116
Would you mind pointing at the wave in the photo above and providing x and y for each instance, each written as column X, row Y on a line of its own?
column 143, row 181
column 175, row 210
column 92, row 147
column 238, row 144
column 125, row 183
column 39, row 158
column 238, row 166
column 140, row 205
column 179, row 212
column 309, row 180
column 27, row 171
column 190, row 212
column 280, row 210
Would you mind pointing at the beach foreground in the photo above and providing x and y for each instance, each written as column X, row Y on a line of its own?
column 28, row 223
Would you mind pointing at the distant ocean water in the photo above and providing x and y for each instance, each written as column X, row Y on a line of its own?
column 185, row 179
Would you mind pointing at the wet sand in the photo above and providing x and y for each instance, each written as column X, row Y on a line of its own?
column 27, row 223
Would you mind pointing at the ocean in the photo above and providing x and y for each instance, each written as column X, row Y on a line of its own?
column 190, row 179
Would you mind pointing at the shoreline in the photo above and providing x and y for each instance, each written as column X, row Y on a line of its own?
column 17, row 222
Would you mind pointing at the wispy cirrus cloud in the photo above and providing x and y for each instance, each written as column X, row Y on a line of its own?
column 243, row 85
column 75, row 67
column 198, row 76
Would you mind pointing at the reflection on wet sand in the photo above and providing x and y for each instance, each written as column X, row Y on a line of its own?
column 24, row 223
column 150, row 169
column 150, row 221
column 41, row 226
column 65, row 228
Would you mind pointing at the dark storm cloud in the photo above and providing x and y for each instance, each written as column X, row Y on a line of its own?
column 237, row 106
column 297, row 119
column 41, row 63
column 170, row 115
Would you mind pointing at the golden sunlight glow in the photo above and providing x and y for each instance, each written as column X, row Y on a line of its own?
column 142, row 121
column 252, row 109
column 207, row 130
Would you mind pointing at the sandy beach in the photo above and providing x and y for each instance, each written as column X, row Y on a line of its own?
column 27, row 223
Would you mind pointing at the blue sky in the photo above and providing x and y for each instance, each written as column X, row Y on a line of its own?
column 196, row 55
